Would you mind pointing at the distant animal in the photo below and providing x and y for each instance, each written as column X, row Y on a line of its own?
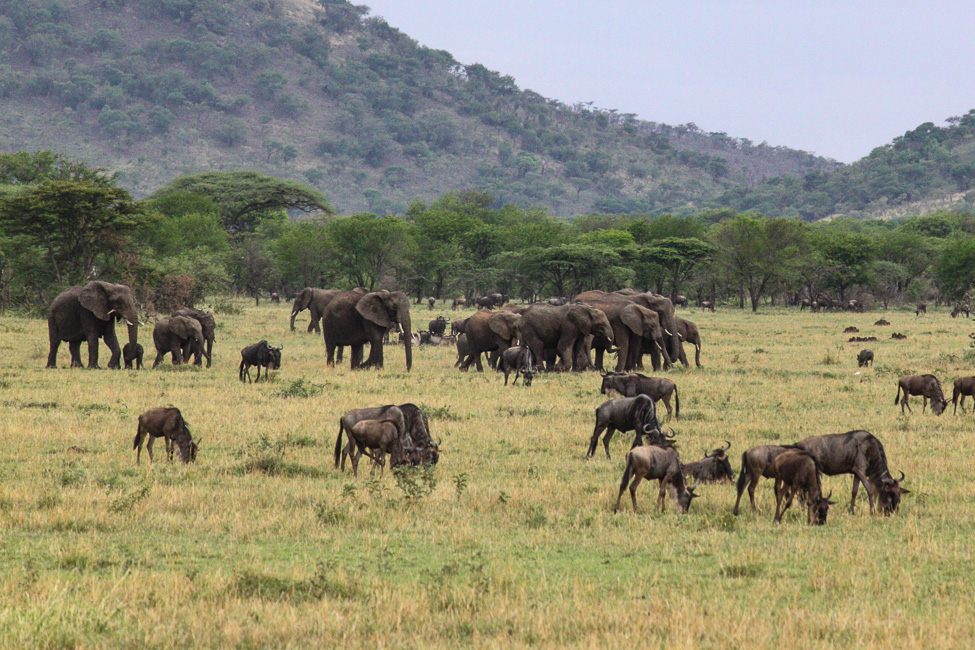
column 520, row 361
column 854, row 305
column 795, row 472
column 438, row 326
column 882, row 322
column 922, row 308
column 927, row 386
column 755, row 464
column 633, row 384
column 713, row 468
column 851, row 330
column 463, row 350
column 458, row 302
column 805, row 303
column 960, row 309
column 963, row 387
column 428, row 338
column 378, row 436
column 859, row 453
column 431, row 303
column 275, row 298
column 679, row 299
column 262, row 355
column 458, row 326
column 350, row 418
column 626, row 414
column 707, row 304
column 862, row 339
column 661, row 463
column 166, row 422
column 898, row 336
column 558, row 301
column 132, row 352
column 864, row 358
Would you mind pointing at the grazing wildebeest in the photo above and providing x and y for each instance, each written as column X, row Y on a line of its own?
column 380, row 436
column 707, row 304
column 625, row 414
column 349, row 419
column 458, row 302
column 898, row 336
column 960, row 309
column 795, row 472
column 859, row 453
column 167, row 422
column 882, row 322
column 427, row 338
column 851, row 330
column 262, row 355
column 438, row 326
column 922, row 308
column 133, row 352
column 963, row 387
column 713, row 468
column 518, row 360
column 633, row 384
column 661, row 463
column 865, row 357
column 418, row 444
column 756, row 463
column 928, row 387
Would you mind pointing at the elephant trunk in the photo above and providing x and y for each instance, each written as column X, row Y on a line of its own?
column 406, row 324
column 133, row 334
column 294, row 312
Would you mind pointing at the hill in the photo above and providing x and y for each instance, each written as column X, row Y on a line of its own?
column 321, row 92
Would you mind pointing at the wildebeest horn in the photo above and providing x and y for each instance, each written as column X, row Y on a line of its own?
column 673, row 433
column 649, row 428
column 198, row 441
column 727, row 445
column 901, row 478
column 829, row 496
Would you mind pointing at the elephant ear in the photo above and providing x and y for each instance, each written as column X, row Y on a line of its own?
column 180, row 326
column 504, row 325
column 632, row 317
column 581, row 317
column 372, row 307
column 94, row 298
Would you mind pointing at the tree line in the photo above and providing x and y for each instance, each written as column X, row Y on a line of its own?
column 63, row 223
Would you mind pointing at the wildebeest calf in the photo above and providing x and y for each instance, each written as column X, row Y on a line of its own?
column 927, row 386
column 168, row 423
column 661, row 463
column 132, row 352
column 964, row 386
column 626, row 414
column 756, row 463
column 382, row 436
column 438, row 326
column 864, row 358
column 633, row 384
column 795, row 472
column 262, row 355
column 519, row 360
column 713, row 468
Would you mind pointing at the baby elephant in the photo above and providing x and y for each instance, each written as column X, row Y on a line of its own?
column 379, row 435
column 132, row 352
column 166, row 422
column 865, row 357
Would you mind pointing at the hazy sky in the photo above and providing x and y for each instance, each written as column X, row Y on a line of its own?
column 837, row 78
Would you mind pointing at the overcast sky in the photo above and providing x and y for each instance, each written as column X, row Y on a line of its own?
column 837, row 78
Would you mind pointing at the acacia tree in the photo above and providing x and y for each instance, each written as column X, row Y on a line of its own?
column 367, row 247
column 758, row 254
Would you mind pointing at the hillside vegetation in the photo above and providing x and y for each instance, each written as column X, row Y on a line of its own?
column 322, row 93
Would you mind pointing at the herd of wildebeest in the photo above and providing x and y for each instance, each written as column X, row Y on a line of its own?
column 559, row 334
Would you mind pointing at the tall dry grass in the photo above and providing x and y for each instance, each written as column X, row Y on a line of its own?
column 263, row 544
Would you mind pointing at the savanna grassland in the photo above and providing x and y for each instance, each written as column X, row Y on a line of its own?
column 262, row 543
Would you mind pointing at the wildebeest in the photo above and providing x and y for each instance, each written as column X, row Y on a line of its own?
column 438, row 326
column 431, row 303
column 864, row 358
column 133, row 352
column 350, row 418
column 626, row 414
column 927, row 386
column 518, row 360
column 661, row 463
column 882, row 322
column 167, row 422
column 262, row 355
column 413, row 430
column 795, row 472
column 428, row 338
column 275, row 298
column 558, row 301
column 756, row 463
column 964, row 386
column 960, row 309
column 922, row 308
column 851, row 330
column 859, row 453
column 633, row 384
column 380, row 436
column 713, row 468
column 898, row 336
column 707, row 304
column 458, row 302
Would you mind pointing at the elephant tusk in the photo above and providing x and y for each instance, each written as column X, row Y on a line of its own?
column 667, row 333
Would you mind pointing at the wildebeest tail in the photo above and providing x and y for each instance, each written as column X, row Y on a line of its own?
column 138, row 436
column 742, row 474
column 627, row 473
column 676, row 403
column 338, row 444
column 898, row 396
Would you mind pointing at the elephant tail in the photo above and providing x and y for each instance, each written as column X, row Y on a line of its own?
column 338, row 444
column 676, row 403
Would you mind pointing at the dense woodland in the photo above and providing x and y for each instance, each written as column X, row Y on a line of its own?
column 64, row 223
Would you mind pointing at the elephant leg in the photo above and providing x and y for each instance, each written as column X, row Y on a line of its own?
column 683, row 357
column 75, row 348
column 330, row 353
column 159, row 358
column 564, row 350
column 599, row 358
column 112, row 342
column 209, row 352
column 339, row 353
column 177, row 353
column 93, row 352
column 623, row 361
column 55, row 340
column 356, row 355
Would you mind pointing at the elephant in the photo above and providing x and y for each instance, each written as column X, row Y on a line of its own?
column 660, row 304
column 688, row 332
column 564, row 329
column 89, row 313
column 132, row 354
column 354, row 318
column 631, row 323
column 177, row 335
column 209, row 326
column 490, row 331
column 491, row 300
column 679, row 299
column 314, row 300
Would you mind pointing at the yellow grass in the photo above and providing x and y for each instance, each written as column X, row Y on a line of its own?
column 517, row 545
